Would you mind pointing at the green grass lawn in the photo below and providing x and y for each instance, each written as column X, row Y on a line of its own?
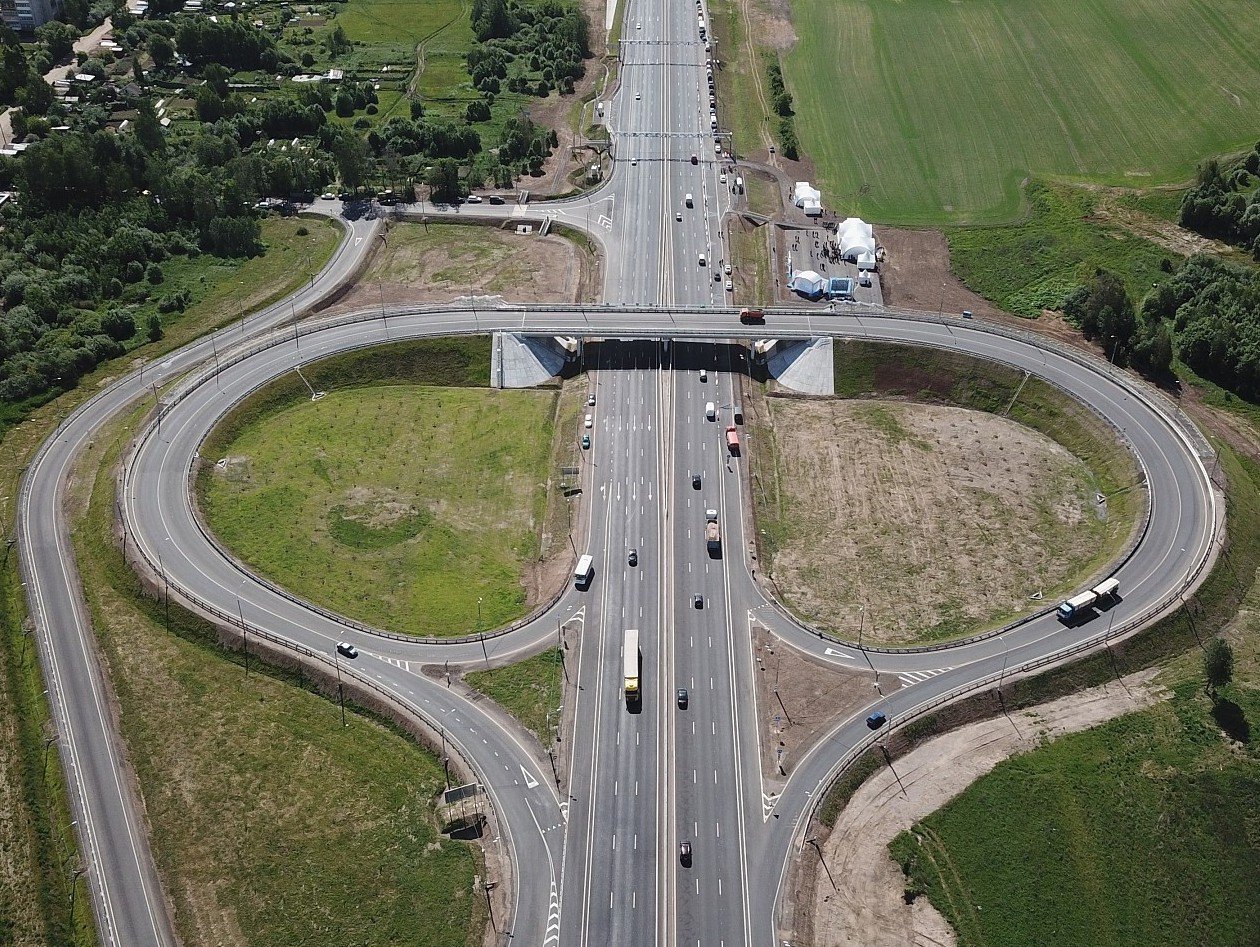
column 1139, row 832
column 410, row 508
column 942, row 109
column 1033, row 264
column 530, row 690
column 272, row 822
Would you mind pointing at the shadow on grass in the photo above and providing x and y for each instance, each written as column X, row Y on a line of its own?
column 1230, row 718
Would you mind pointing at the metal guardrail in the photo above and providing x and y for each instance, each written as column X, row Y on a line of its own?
column 1176, row 420
column 1172, row 415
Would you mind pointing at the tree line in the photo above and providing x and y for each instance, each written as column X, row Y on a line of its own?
column 1225, row 202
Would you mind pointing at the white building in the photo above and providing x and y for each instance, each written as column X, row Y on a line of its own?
column 807, row 198
column 855, row 241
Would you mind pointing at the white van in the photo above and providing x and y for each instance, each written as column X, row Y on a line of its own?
column 585, row 569
column 710, row 411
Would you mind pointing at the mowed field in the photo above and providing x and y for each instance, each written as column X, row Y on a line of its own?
column 414, row 509
column 931, row 112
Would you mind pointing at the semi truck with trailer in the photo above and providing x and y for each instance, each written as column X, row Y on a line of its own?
column 1079, row 605
column 630, row 660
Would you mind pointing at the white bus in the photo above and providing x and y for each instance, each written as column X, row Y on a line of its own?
column 585, row 569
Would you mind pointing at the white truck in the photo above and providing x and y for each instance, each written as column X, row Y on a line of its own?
column 630, row 663
column 1079, row 605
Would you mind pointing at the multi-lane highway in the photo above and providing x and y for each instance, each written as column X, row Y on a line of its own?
column 597, row 856
column 642, row 782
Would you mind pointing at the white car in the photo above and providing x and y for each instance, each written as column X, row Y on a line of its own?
column 702, row 260
column 473, row 199
column 730, row 287
column 704, row 374
column 727, row 269
column 722, row 178
column 590, row 421
column 591, row 401
column 638, row 26
column 637, row 97
column 678, row 216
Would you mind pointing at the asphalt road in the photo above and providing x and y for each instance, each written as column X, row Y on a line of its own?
column 642, row 782
column 596, row 858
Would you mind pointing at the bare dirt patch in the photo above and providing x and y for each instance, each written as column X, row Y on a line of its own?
column 902, row 522
column 916, row 275
column 419, row 263
column 865, row 905
column 376, row 508
column 797, row 700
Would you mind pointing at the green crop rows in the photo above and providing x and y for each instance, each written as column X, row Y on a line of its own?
column 930, row 112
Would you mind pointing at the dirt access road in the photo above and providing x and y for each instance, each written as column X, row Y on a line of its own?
column 865, row 907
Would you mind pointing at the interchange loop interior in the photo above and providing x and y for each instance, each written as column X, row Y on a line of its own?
column 1173, row 550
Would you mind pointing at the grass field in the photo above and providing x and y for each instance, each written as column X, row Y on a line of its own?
column 1033, row 264
column 414, row 509
column 272, row 823
column 435, row 33
column 845, row 575
column 530, row 690
column 36, row 838
column 1139, row 832
column 942, row 109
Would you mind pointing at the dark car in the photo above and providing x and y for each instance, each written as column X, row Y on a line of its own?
column 876, row 720
column 684, row 852
column 586, row 442
column 682, row 698
column 632, row 557
column 494, row 199
column 695, row 159
column 695, row 481
column 697, row 600
column 346, row 649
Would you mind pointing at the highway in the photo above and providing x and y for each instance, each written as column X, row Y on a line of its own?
column 596, row 857
column 642, row 782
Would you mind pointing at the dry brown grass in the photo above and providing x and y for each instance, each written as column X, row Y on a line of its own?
column 914, row 522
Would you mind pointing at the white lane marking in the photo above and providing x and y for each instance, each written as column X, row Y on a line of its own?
column 913, row 677
column 833, row 653
column 530, row 781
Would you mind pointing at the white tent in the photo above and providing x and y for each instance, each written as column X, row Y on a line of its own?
column 807, row 283
column 808, row 198
column 856, row 240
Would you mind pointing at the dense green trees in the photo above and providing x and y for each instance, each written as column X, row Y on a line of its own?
column 544, row 43
column 1103, row 311
column 1219, row 205
column 232, row 43
column 1215, row 309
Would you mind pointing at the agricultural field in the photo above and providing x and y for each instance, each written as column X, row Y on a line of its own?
column 404, row 507
column 945, row 109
